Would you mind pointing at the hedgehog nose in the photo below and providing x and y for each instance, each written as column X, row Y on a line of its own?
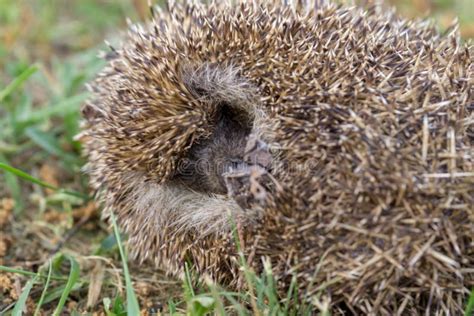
column 257, row 153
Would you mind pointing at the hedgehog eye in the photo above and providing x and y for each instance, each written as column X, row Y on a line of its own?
column 235, row 163
column 228, row 114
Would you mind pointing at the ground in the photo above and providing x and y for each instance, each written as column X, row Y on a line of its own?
column 48, row 51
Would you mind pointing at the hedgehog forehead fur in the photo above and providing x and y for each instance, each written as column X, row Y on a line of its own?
column 367, row 120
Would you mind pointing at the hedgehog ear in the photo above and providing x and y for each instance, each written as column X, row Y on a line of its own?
column 225, row 111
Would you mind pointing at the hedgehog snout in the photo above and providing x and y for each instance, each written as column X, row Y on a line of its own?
column 246, row 183
column 209, row 158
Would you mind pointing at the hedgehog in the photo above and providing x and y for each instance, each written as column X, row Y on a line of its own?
column 332, row 143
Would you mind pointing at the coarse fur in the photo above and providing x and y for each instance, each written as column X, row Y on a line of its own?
column 181, row 208
column 367, row 197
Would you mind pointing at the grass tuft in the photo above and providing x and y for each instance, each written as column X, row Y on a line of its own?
column 20, row 305
column 73, row 277
column 45, row 289
column 132, row 302
column 27, row 177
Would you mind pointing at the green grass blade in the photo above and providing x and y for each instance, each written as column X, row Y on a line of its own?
column 27, row 177
column 248, row 273
column 291, row 291
column 73, row 277
column 13, row 186
column 470, row 305
column 172, row 307
column 219, row 304
column 45, row 289
column 132, row 302
column 188, row 284
column 18, row 271
column 27, row 273
column 55, row 293
column 271, row 297
column 239, row 307
column 21, row 303
column 17, row 81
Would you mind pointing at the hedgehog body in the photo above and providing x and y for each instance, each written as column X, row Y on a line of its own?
column 362, row 177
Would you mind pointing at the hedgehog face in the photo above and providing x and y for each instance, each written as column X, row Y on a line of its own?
column 211, row 157
column 168, row 143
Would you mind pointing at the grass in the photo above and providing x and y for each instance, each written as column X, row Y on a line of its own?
column 47, row 53
column 132, row 303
